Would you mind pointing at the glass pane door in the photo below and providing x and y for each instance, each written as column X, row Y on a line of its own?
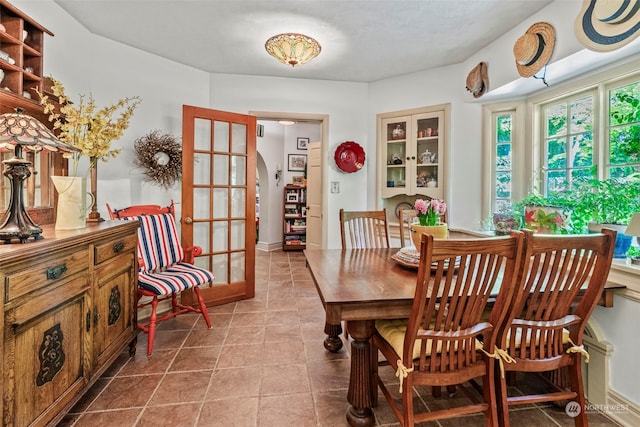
column 218, row 212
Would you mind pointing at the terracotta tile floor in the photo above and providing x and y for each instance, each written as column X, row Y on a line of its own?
column 286, row 378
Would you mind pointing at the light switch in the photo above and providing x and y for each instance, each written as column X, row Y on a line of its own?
column 335, row 187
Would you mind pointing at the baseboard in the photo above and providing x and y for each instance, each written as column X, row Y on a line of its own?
column 621, row 410
column 268, row 247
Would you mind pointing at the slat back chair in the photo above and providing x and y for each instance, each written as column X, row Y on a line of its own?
column 559, row 286
column 364, row 229
column 408, row 217
column 445, row 341
column 166, row 268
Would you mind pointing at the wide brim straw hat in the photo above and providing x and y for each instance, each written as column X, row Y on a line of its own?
column 603, row 26
column 533, row 49
column 478, row 80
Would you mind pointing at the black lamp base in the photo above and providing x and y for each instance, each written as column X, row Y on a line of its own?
column 16, row 224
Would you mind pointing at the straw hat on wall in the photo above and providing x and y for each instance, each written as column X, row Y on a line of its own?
column 604, row 26
column 533, row 50
column 478, row 80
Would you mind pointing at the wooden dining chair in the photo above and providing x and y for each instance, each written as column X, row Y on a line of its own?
column 166, row 269
column 445, row 341
column 406, row 218
column 364, row 229
column 560, row 283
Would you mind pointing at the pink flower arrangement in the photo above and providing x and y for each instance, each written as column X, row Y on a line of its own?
column 429, row 212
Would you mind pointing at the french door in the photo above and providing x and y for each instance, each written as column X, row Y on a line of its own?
column 219, row 200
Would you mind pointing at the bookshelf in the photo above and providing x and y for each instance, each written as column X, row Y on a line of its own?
column 294, row 233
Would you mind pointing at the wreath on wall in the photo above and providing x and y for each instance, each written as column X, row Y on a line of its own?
column 160, row 154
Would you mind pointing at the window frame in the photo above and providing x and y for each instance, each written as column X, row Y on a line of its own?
column 518, row 150
column 598, row 149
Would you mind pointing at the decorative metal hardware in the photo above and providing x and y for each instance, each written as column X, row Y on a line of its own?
column 51, row 355
column 88, row 320
column 115, row 309
column 118, row 247
column 56, row 272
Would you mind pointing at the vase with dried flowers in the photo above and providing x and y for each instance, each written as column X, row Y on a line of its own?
column 88, row 128
column 429, row 220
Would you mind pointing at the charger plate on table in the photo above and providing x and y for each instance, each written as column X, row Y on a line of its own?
column 409, row 257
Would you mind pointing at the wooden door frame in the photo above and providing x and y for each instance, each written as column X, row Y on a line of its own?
column 324, row 125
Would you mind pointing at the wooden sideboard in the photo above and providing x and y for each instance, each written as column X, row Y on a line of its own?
column 69, row 309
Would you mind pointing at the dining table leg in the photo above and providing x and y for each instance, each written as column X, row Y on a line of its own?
column 360, row 394
column 332, row 342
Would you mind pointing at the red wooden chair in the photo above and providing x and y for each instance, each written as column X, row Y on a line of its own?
column 166, row 269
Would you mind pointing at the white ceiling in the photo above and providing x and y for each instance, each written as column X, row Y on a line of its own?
column 362, row 40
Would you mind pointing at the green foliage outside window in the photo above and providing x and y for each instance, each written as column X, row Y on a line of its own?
column 624, row 122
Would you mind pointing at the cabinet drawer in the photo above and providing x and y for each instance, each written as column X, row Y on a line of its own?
column 114, row 247
column 44, row 272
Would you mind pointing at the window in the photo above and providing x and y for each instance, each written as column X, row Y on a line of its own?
column 503, row 164
column 624, row 129
column 568, row 142
column 572, row 147
column 590, row 128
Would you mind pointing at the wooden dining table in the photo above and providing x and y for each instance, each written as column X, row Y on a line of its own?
column 360, row 286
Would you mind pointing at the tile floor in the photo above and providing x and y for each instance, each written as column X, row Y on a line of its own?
column 263, row 364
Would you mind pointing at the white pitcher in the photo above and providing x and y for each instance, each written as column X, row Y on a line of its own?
column 72, row 202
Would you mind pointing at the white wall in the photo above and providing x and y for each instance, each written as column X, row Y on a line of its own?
column 86, row 63
column 463, row 164
column 271, row 150
column 344, row 102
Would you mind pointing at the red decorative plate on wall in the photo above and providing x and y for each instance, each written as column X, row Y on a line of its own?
column 349, row 157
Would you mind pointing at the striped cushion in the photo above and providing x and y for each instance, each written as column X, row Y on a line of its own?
column 174, row 279
column 158, row 241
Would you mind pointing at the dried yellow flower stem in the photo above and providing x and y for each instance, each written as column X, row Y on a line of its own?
column 86, row 127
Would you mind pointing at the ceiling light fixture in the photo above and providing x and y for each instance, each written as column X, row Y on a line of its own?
column 292, row 48
column 286, row 122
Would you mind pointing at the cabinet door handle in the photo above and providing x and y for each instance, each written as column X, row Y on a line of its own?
column 96, row 316
column 56, row 272
column 118, row 247
column 413, row 157
column 88, row 320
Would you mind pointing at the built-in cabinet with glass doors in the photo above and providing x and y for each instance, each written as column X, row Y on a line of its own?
column 411, row 149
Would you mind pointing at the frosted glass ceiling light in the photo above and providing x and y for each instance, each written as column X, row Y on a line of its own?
column 292, row 48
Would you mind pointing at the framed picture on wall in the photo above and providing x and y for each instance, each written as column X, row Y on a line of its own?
column 302, row 143
column 297, row 162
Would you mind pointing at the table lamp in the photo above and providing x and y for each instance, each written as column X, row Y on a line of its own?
column 633, row 229
column 20, row 132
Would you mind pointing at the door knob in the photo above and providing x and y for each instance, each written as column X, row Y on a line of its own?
column 188, row 220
